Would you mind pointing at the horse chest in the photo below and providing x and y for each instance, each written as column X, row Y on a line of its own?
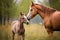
column 47, row 22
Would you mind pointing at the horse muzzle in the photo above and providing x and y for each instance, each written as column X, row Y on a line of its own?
column 28, row 18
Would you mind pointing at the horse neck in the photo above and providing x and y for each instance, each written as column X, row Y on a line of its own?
column 41, row 14
column 44, row 11
column 47, row 10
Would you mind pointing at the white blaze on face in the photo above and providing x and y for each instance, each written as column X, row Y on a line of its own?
column 29, row 15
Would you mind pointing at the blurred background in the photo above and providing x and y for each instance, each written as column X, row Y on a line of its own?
column 9, row 11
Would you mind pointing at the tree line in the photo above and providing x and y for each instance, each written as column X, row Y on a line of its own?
column 9, row 9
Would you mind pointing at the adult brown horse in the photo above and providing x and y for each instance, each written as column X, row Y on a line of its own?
column 50, row 16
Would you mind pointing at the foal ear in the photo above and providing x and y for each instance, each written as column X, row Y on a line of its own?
column 21, row 13
column 32, row 4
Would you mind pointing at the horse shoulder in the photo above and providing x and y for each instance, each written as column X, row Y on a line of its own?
column 55, row 18
column 47, row 22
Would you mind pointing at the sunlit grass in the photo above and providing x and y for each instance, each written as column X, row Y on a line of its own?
column 32, row 32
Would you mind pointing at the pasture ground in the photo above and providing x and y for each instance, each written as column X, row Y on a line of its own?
column 32, row 32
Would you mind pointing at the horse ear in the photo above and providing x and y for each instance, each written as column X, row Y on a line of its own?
column 21, row 13
column 32, row 3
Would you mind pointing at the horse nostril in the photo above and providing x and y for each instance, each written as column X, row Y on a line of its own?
column 28, row 19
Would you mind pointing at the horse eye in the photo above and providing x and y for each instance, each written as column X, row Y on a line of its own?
column 31, row 9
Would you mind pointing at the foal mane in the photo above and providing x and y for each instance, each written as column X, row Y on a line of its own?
column 46, row 9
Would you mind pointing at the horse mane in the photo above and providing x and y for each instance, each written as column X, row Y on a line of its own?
column 47, row 9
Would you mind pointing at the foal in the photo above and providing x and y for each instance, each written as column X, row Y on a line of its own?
column 18, row 27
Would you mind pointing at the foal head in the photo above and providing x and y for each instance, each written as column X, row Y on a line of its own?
column 23, row 19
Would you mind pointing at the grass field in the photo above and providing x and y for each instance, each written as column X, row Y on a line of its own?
column 32, row 32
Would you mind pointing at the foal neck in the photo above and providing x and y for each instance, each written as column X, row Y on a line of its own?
column 21, row 24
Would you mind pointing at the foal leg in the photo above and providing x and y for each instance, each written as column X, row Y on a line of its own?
column 19, row 37
column 13, row 34
column 23, row 36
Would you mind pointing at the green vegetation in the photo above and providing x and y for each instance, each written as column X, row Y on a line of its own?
column 55, row 4
column 24, row 6
column 32, row 32
column 9, row 9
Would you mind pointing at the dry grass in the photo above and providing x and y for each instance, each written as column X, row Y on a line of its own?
column 32, row 32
